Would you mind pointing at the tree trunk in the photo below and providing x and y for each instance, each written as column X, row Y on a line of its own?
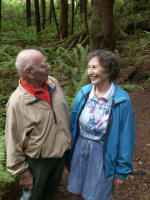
column 43, row 13
column 64, row 18
column 83, row 12
column 51, row 11
column 37, row 16
column 0, row 15
column 28, row 12
column 102, row 34
column 72, row 17
column 85, row 15
column 81, row 2
column 92, row 2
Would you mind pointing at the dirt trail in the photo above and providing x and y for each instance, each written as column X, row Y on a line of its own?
column 137, row 186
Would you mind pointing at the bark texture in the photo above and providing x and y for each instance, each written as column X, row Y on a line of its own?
column 28, row 12
column 37, row 16
column 43, row 13
column 102, row 34
column 64, row 19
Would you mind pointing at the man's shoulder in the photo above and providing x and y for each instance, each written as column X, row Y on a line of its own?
column 15, row 97
column 52, row 81
column 52, row 78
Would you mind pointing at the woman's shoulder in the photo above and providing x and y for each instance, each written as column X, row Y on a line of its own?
column 83, row 91
column 86, row 88
column 120, row 93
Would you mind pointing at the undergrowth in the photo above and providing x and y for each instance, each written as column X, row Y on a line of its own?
column 132, row 87
column 68, row 64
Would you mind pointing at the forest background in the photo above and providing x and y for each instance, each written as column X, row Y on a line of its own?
column 65, row 31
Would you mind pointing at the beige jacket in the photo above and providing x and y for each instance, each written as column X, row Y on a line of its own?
column 32, row 130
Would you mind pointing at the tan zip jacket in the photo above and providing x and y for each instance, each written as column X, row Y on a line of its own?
column 32, row 130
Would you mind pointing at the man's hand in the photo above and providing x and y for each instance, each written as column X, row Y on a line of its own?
column 26, row 180
column 118, row 182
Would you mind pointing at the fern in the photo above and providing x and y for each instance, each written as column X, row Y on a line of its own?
column 5, row 176
column 2, row 150
column 72, row 62
column 84, row 80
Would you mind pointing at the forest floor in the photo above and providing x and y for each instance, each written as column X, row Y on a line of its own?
column 137, row 185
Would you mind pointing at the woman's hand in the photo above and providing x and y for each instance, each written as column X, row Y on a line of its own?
column 118, row 182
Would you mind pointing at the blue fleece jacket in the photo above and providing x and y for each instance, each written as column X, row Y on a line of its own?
column 120, row 132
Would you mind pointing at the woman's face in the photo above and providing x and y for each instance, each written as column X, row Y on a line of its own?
column 96, row 72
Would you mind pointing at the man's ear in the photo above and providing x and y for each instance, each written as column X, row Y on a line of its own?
column 28, row 72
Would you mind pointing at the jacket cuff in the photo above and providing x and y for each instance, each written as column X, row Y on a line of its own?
column 121, row 176
column 24, row 173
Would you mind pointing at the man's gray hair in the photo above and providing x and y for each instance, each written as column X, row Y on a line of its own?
column 26, row 58
column 20, row 66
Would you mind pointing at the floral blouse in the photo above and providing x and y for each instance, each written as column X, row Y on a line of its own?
column 95, row 114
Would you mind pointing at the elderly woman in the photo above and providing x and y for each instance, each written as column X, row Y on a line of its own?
column 103, row 131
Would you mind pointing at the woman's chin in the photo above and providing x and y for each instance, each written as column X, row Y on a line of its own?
column 94, row 82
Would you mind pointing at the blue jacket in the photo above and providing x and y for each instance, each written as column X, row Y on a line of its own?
column 120, row 132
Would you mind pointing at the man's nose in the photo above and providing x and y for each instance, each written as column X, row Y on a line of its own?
column 48, row 66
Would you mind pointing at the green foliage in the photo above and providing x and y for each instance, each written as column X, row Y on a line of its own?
column 131, row 16
column 84, row 80
column 73, row 64
column 5, row 176
column 2, row 120
column 132, row 87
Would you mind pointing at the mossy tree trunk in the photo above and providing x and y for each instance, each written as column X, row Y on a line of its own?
column 28, row 12
column 0, row 14
column 81, row 3
column 43, row 13
column 51, row 11
column 37, row 16
column 85, row 15
column 72, row 16
column 53, row 14
column 64, row 19
column 102, row 33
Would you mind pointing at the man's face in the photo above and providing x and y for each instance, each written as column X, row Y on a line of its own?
column 39, row 72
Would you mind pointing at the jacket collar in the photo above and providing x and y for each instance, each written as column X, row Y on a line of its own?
column 119, row 94
column 29, row 98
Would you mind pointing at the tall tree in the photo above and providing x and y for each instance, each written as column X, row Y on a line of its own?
column 51, row 11
column 72, row 16
column 43, row 13
column 37, row 16
column 81, row 3
column 83, row 12
column 64, row 19
column 102, row 34
column 28, row 12
column 0, row 14
column 85, row 15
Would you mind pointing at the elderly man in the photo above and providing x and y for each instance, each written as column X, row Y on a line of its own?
column 37, row 128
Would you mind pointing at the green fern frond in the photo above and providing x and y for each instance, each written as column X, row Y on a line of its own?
column 5, row 177
column 2, row 150
column 84, row 80
column 83, row 55
column 76, row 57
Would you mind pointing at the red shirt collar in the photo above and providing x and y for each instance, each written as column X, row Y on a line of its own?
column 31, row 89
column 36, row 92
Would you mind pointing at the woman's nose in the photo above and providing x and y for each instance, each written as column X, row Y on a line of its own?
column 90, row 71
